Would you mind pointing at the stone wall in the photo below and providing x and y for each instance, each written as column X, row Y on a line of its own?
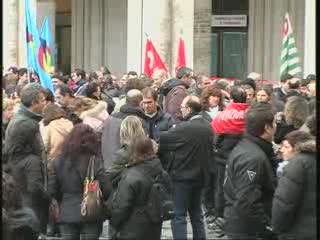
column 202, row 35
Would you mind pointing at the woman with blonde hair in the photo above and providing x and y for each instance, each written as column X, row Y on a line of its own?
column 131, row 128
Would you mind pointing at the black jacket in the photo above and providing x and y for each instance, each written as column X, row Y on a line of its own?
column 294, row 210
column 20, row 224
column 249, row 187
column 158, row 123
column 66, row 185
column 224, row 145
column 128, row 215
column 190, row 148
column 23, row 152
column 282, row 130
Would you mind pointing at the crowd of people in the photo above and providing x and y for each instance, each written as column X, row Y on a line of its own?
column 238, row 155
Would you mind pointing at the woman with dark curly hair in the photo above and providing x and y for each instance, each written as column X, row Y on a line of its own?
column 66, row 182
column 212, row 101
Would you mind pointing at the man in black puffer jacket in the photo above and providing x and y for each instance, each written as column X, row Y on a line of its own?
column 24, row 150
column 294, row 205
column 190, row 143
column 249, row 182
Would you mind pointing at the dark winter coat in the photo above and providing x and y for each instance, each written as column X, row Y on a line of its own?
column 118, row 166
column 190, row 147
column 21, row 224
column 294, row 211
column 66, row 185
column 174, row 91
column 80, row 88
column 128, row 216
column 110, row 139
column 282, row 130
column 23, row 151
column 249, row 187
column 158, row 123
column 224, row 145
column 279, row 95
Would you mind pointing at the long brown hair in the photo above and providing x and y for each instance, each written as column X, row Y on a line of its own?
column 140, row 149
column 207, row 93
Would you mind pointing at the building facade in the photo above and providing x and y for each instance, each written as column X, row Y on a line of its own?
column 92, row 33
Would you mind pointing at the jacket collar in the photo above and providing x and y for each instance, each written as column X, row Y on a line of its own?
column 263, row 144
column 25, row 111
column 133, row 110
column 192, row 116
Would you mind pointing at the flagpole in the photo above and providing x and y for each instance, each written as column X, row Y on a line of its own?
column 28, row 71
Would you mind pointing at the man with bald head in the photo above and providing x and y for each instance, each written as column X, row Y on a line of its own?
column 110, row 139
column 189, row 148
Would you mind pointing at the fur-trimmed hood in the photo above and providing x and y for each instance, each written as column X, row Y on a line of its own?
column 96, row 111
column 96, row 116
column 306, row 146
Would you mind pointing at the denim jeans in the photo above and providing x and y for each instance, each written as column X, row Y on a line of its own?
column 88, row 231
column 187, row 198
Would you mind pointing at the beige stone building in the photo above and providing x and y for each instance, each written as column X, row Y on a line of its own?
column 228, row 38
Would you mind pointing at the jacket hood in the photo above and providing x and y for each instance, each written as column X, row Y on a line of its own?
column 24, row 217
column 132, row 110
column 62, row 125
column 168, row 85
column 96, row 112
column 307, row 146
column 231, row 120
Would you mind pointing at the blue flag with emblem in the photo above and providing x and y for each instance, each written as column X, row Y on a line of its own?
column 37, row 50
column 46, row 40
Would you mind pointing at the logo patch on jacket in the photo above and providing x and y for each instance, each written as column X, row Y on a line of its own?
column 251, row 175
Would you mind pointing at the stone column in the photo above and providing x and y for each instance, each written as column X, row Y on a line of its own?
column 264, row 35
column 202, row 35
column 135, row 45
column 99, row 34
column 310, row 38
column 10, row 33
column 157, row 23
column 47, row 8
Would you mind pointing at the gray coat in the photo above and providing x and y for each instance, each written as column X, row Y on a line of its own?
column 294, row 205
column 110, row 139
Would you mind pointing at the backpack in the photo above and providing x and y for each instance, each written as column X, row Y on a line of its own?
column 160, row 204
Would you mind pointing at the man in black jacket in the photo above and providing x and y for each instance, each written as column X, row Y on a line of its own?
column 24, row 151
column 156, row 120
column 249, row 182
column 190, row 145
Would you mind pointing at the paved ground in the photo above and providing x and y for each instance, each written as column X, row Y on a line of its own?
column 166, row 232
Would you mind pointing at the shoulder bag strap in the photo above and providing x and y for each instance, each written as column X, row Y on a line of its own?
column 92, row 158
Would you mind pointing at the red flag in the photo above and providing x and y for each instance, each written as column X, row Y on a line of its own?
column 181, row 59
column 152, row 60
